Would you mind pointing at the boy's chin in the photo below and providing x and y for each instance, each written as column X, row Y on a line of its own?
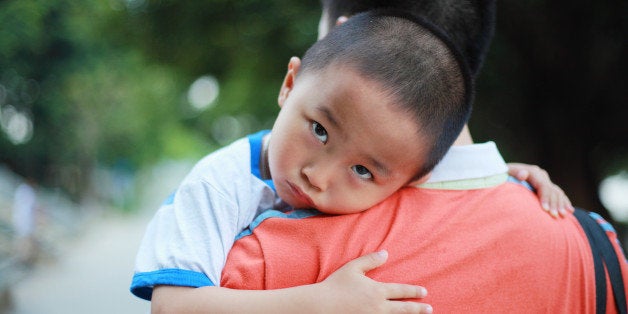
column 336, row 211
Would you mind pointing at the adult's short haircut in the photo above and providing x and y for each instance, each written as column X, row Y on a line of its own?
column 413, row 61
column 469, row 23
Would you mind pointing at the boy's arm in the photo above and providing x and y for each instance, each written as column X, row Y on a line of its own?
column 189, row 237
column 347, row 290
column 553, row 199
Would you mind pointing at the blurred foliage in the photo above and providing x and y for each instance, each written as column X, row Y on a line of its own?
column 105, row 81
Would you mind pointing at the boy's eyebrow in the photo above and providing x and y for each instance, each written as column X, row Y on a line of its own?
column 328, row 115
column 381, row 168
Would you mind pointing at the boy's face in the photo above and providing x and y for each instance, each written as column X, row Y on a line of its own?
column 339, row 143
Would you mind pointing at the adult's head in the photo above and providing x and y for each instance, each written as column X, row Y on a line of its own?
column 469, row 23
column 416, row 76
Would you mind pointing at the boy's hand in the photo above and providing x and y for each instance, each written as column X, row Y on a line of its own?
column 553, row 199
column 349, row 290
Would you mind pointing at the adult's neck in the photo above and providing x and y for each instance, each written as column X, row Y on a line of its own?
column 465, row 137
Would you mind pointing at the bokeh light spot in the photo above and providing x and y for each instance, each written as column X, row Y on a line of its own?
column 613, row 192
column 203, row 92
column 226, row 129
column 17, row 125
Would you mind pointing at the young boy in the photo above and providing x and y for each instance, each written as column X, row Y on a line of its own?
column 351, row 131
column 340, row 144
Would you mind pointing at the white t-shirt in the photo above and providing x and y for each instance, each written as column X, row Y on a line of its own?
column 187, row 241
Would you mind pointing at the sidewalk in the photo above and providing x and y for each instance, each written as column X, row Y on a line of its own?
column 92, row 273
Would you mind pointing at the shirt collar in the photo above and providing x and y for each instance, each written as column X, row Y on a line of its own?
column 469, row 162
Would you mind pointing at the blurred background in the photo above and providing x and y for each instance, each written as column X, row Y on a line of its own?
column 105, row 105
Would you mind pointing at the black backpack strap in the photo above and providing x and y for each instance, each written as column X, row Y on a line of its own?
column 611, row 260
column 603, row 255
column 600, row 277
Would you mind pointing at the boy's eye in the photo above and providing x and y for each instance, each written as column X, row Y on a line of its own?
column 319, row 132
column 362, row 172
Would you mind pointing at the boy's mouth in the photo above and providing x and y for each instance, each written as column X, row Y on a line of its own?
column 301, row 196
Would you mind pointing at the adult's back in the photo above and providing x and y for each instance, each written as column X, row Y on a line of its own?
column 484, row 250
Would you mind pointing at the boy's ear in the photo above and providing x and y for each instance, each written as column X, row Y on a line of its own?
column 288, row 81
column 420, row 180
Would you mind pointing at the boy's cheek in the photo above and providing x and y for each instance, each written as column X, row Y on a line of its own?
column 420, row 181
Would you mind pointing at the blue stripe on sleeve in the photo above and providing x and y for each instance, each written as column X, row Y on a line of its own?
column 255, row 142
column 524, row 183
column 143, row 283
column 271, row 213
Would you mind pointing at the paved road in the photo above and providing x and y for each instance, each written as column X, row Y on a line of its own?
column 92, row 269
column 92, row 273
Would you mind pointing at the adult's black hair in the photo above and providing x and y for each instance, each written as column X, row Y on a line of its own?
column 469, row 23
column 415, row 64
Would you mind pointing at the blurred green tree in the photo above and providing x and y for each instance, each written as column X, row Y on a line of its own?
column 104, row 81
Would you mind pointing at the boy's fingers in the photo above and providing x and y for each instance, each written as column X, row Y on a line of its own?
column 552, row 197
column 544, row 197
column 570, row 207
column 410, row 307
column 369, row 261
column 522, row 175
column 554, row 204
column 518, row 171
column 563, row 204
column 566, row 202
column 396, row 291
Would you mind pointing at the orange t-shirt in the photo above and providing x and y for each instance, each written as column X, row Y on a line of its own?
column 484, row 250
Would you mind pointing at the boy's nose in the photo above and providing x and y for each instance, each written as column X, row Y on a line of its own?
column 317, row 177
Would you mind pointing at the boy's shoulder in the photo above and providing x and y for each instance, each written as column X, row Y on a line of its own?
column 237, row 162
column 235, row 159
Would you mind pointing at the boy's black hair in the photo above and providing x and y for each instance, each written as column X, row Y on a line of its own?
column 469, row 23
column 413, row 61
